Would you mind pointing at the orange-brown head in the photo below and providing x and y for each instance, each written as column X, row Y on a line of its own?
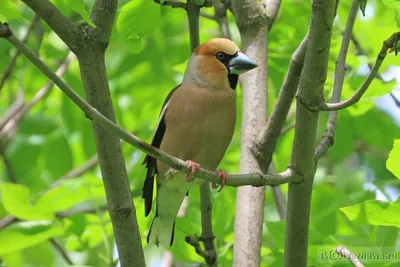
column 216, row 64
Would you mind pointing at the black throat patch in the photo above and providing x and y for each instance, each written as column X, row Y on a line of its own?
column 233, row 80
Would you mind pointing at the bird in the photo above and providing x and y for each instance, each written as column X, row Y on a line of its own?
column 196, row 124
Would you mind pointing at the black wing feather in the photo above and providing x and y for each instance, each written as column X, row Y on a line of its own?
column 151, row 163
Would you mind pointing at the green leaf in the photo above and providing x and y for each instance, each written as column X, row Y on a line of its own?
column 79, row 7
column 37, row 124
column 392, row 3
column 26, row 234
column 136, row 20
column 374, row 212
column 397, row 16
column 16, row 201
column 363, row 4
column 58, row 156
column 71, row 193
column 392, row 163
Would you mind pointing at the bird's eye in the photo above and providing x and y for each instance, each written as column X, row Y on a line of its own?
column 220, row 55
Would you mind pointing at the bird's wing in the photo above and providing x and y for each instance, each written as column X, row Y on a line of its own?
column 151, row 163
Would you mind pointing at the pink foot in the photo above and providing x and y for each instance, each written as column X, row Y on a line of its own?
column 224, row 176
column 193, row 166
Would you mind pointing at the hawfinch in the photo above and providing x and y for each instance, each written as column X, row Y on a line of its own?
column 196, row 124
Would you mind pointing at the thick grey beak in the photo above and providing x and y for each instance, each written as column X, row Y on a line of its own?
column 240, row 64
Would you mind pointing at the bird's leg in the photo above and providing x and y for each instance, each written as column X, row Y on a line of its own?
column 224, row 176
column 170, row 173
column 193, row 166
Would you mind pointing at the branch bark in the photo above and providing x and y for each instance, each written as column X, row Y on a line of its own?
column 310, row 94
column 89, row 45
column 264, row 145
column 329, row 136
column 253, row 23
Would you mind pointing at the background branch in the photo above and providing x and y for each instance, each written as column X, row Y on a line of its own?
column 387, row 44
column 253, row 23
column 11, row 64
column 343, row 251
column 221, row 19
column 16, row 115
column 329, row 136
column 207, row 234
column 62, row 26
column 62, row 251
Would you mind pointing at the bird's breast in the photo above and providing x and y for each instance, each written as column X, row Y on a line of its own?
column 200, row 125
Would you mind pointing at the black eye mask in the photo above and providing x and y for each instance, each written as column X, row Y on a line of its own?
column 225, row 59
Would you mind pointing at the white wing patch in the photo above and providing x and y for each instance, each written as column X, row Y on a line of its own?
column 163, row 111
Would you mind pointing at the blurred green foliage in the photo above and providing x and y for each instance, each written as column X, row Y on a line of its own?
column 145, row 60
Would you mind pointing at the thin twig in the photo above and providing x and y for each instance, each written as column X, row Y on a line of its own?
column 172, row 4
column 11, row 64
column 208, row 16
column 61, row 250
column 255, row 179
column 194, row 242
column 18, row 114
column 207, row 235
column 344, row 252
column 387, row 44
column 288, row 128
column 9, row 168
column 279, row 197
column 264, row 146
column 221, row 19
column 6, row 221
column 329, row 136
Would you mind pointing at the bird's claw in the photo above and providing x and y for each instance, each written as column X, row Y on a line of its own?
column 194, row 167
column 223, row 176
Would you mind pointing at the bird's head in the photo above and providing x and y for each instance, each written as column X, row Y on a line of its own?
column 216, row 64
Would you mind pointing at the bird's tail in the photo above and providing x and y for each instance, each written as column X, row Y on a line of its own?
column 161, row 232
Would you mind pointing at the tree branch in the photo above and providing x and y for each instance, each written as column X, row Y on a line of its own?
column 195, row 242
column 272, row 7
column 103, row 15
column 10, row 65
column 329, row 136
column 344, row 252
column 207, row 235
column 264, row 146
column 220, row 18
column 172, row 4
column 254, row 179
column 62, row 26
column 310, row 93
column 253, row 23
column 387, row 44
column 10, row 171
column 62, row 251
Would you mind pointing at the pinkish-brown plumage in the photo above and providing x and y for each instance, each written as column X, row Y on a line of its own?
column 196, row 123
